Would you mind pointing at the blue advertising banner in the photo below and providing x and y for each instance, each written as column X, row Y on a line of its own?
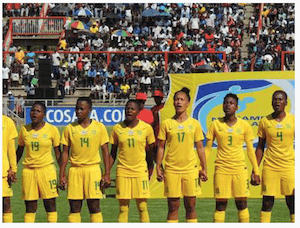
column 62, row 116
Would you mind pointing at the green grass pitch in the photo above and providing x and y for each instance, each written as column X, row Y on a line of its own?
column 158, row 208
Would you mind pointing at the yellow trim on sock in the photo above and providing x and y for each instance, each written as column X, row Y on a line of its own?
column 192, row 220
column 29, row 217
column 8, row 217
column 265, row 216
column 243, row 215
column 123, row 214
column 96, row 217
column 74, row 218
column 172, row 221
column 143, row 212
column 219, row 216
column 52, row 217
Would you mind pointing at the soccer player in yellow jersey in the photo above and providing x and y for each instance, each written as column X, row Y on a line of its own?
column 81, row 142
column 277, row 130
column 132, row 182
column 231, row 174
column 39, row 179
column 181, row 176
column 9, row 165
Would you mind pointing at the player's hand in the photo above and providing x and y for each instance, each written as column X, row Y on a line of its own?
column 203, row 175
column 255, row 179
column 11, row 177
column 159, row 173
column 62, row 183
column 105, row 181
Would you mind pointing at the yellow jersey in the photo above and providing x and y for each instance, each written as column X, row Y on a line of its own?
column 38, row 144
column 180, row 139
column 230, row 153
column 9, row 132
column 132, row 143
column 279, row 137
column 84, row 142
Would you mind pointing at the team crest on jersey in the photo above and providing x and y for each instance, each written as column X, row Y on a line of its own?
column 279, row 126
column 83, row 132
column 44, row 136
column 35, row 136
column 239, row 131
column 190, row 127
column 139, row 132
column 130, row 132
column 94, row 132
column 288, row 126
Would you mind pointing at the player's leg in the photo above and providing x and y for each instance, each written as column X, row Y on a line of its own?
column 31, row 207
column 243, row 212
column 6, row 208
column 94, row 209
column 173, row 206
column 123, row 210
column 190, row 212
column 288, row 189
column 290, row 202
column 7, row 213
column 143, row 210
column 190, row 189
column 50, row 207
column 75, row 209
column 241, row 190
column 222, row 192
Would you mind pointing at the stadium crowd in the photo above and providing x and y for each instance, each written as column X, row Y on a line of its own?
column 180, row 27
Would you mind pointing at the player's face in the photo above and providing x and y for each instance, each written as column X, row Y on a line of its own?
column 131, row 111
column 37, row 114
column 230, row 106
column 82, row 110
column 181, row 102
column 279, row 102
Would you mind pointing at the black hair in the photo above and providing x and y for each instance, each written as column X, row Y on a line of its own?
column 86, row 99
column 232, row 95
column 134, row 101
column 282, row 92
column 184, row 90
column 42, row 104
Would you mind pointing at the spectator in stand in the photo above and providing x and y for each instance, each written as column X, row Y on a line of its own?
column 62, row 44
column 72, row 85
column 91, row 74
column 94, row 30
column 15, row 73
column 56, row 59
column 125, row 91
column 25, row 74
column 79, row 67
column 11, row 101
column 61, row 86
column 5, row 78
column 20, row 55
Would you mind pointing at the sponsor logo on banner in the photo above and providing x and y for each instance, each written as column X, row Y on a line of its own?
column 254, row 100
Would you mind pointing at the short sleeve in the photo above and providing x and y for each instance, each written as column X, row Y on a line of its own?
column 66, row 136
column 150, row 135
column 12, row 130
column 56, row 137
column 198, row 132
column 113, row 138
column 104, row 136
column 21, row 141
column 261, row 131
column 249, row 136
column 211, row 131
column 162, row 131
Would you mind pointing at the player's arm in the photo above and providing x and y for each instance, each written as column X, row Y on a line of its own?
column 106, row 160
column 19, row 152
column 57, row 152
column 12, row 161
column 202, row 158
column 113, row 155
column 149, row 157
column 62, row 167
column 255, row 179
column 159, row 158
column 260, row 149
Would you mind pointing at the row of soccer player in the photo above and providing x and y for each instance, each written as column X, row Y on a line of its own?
column 176, row 139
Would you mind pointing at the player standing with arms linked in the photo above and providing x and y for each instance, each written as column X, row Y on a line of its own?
column 9, row 165
column 181, row 175
column 278, row 131
column 231, row 174
column 81, row 141
column 132, row 182
column 39, row 179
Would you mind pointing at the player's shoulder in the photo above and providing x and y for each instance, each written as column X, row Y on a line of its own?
column 290, row 116
column 98, row 124
column 144, row 125
column 243, row 122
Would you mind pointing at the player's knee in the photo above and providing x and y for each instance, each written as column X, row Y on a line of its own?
column 241, row 204
column 290, row 202
column 221, row 205
column 173, row 206
column 268, row 202
column 31, row 206
column 50, row 205
column 142, row 206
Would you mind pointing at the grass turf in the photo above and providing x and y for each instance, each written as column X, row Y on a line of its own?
column 158, row 208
